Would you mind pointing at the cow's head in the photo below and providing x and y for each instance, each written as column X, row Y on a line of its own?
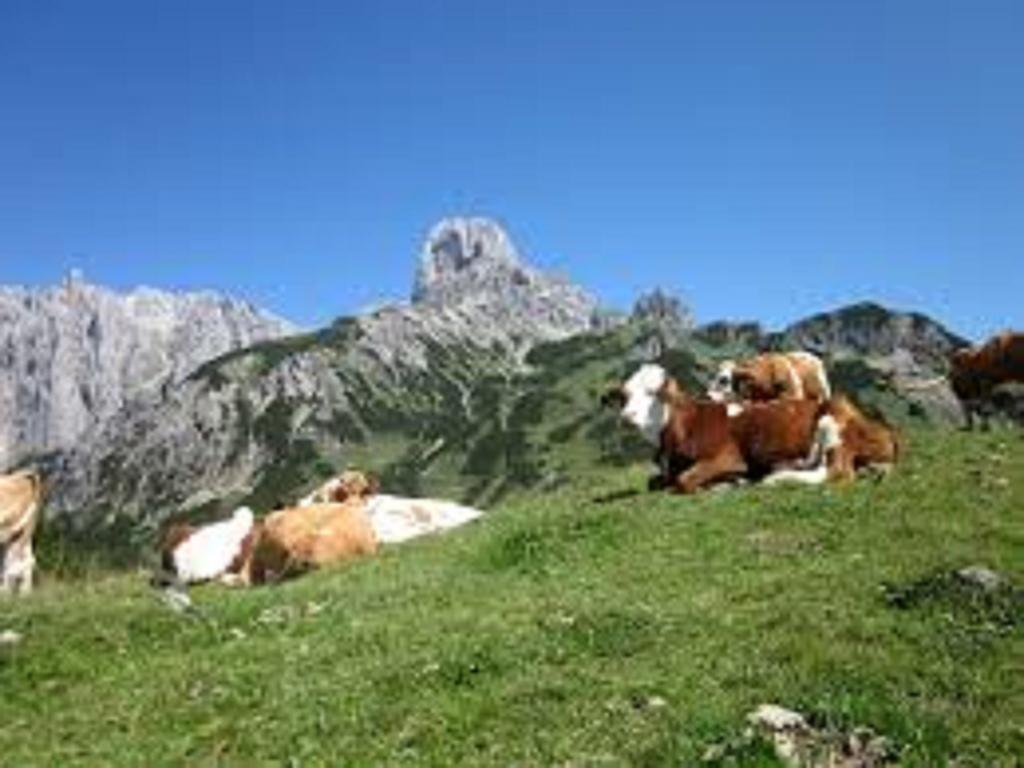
column 643, row 400
column 721, row 389
column 738, row 381
column 354, row 484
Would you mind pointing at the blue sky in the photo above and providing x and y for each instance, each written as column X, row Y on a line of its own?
column 765, row 160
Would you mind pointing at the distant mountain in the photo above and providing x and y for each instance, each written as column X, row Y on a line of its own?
column 869, row 329
column 72, row 356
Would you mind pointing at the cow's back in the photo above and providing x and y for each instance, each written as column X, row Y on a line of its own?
column 314, row 535
column 811, row 372
column 344, row 536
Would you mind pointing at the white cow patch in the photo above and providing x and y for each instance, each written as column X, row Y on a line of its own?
column 208, row 552
column 815, row 472
column 396, row 519
column 643, row 408
column 815, row 476
column 819, row 370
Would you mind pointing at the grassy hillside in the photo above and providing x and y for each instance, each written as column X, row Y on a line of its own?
column 586, row 625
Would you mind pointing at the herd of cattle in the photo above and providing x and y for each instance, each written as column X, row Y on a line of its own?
column 771, row 418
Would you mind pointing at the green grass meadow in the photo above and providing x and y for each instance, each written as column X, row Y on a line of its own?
column 595, row 624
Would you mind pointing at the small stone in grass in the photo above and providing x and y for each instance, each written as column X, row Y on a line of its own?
column 981, row 576
column 9, row 637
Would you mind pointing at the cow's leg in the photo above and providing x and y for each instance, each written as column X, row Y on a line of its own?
column 706, row 471
column 28, row 566
column 17, row 570
column 841, row 465
column 967, row 407
column 986, row 410
column 10, row 574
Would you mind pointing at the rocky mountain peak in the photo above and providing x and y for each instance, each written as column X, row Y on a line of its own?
column 471, row 267
column 466, row 257
column 662, row 307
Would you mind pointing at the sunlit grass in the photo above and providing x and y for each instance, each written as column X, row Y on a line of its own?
column 584, row 626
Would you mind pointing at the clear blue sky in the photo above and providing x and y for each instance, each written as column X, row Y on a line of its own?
column 763, row 159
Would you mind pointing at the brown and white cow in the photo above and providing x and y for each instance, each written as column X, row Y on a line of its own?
column 699, row 443
column 792, row 375
column 216, row 551
column 296, row 539
column 21, row 496
column 974, row 372
column 394, row 518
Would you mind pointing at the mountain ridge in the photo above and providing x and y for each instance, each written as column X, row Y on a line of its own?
column 75, row 354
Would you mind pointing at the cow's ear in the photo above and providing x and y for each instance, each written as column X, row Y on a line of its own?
column 614, row 397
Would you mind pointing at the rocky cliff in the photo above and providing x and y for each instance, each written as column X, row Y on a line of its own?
column 73, row 356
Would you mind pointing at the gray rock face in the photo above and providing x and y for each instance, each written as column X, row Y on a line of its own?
column 665, row 309
column 73, row 356
column 981, row 577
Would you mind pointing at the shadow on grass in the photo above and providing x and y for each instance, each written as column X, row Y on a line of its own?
column 613, row 496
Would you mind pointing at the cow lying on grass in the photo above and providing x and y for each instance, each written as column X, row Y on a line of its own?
column 699, row 443
column 976, row 371
column 21, row 496
column 395, row 518
column 244, row 551
column 216, row 551
column 294, row 540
